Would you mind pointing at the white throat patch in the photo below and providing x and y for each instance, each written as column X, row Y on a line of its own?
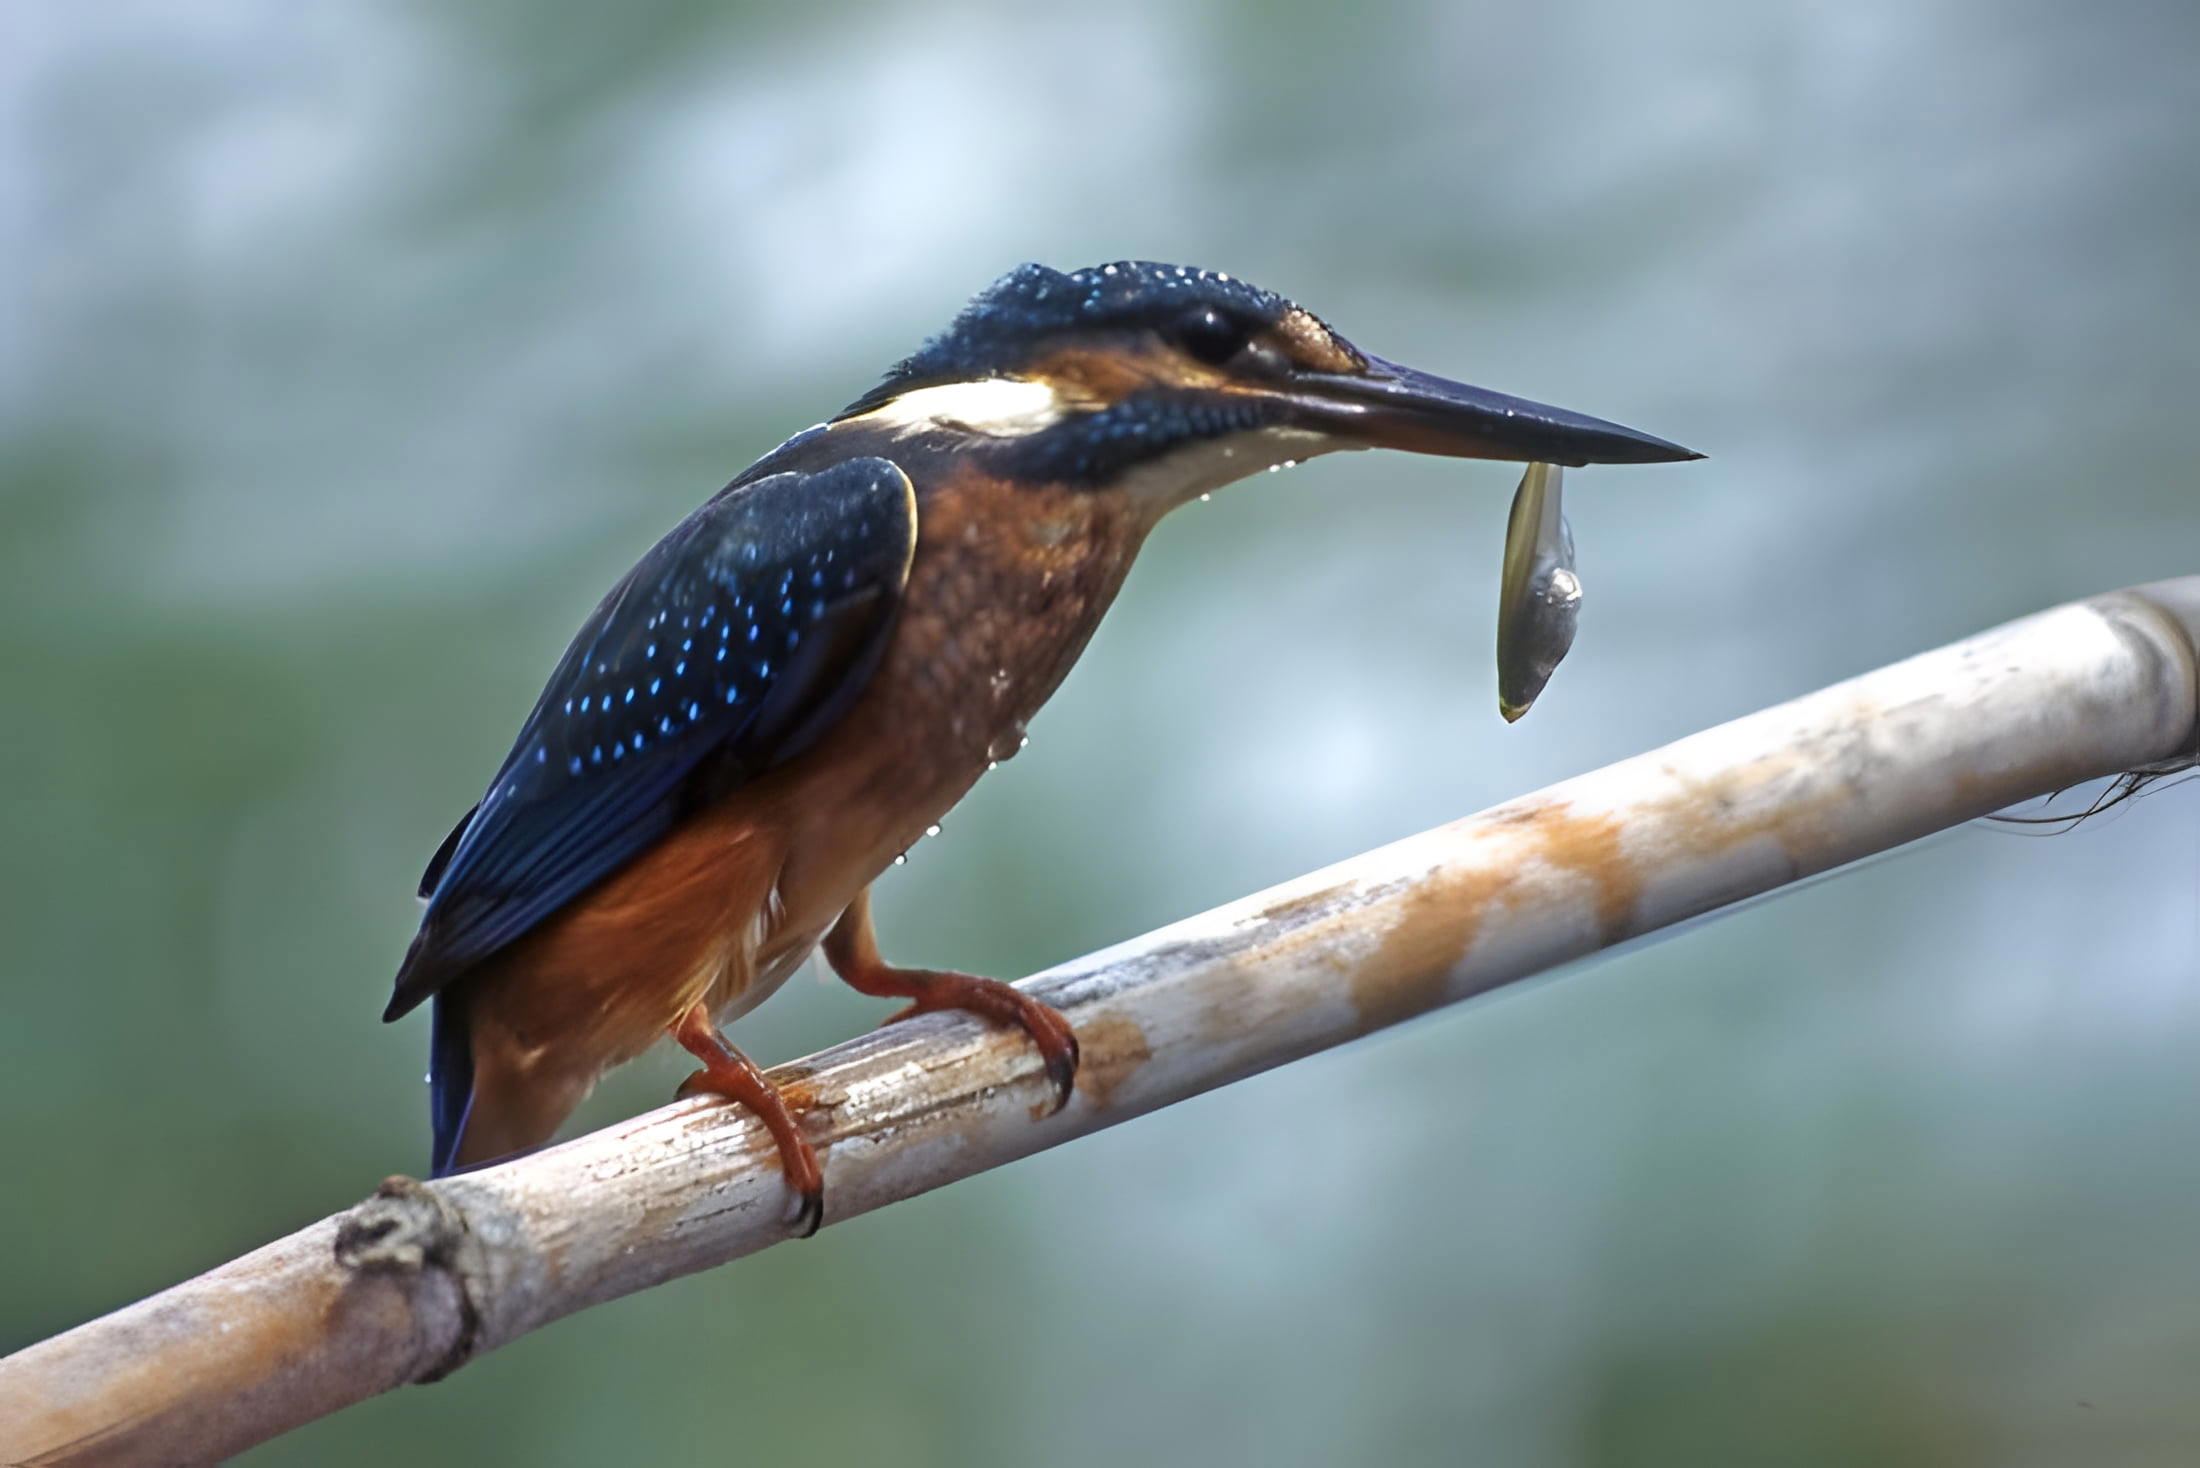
column 1187, row 473
column 997, row 407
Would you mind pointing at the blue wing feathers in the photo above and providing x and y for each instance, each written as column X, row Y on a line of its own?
column 735, row 641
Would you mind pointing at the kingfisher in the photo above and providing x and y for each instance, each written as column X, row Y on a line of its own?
column 807, row 672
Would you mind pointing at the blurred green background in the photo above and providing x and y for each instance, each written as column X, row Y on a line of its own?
column 348, row 351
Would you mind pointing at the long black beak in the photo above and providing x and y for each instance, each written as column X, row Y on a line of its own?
column 1394, row 407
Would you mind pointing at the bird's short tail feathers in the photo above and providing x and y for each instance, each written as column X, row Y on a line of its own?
column 450, row 1079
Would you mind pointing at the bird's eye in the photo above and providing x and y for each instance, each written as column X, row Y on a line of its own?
column 1209, row 335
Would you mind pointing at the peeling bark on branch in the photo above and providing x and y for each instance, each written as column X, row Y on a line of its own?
column 420, row 1278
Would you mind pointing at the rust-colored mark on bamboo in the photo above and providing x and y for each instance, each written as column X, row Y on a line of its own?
column 1411, row 968
column 1292, row 911
column 1439, row 920
column 1588, row 846
column 797, row 1085
column 1111, row 1047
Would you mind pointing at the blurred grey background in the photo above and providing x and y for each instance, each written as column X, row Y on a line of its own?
column 348, row 351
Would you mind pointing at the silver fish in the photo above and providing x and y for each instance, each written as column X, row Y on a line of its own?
column 1539, row 596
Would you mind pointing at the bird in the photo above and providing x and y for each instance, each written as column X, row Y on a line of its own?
column 808, row 671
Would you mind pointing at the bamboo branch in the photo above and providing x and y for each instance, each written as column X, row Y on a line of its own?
column 420, row 1278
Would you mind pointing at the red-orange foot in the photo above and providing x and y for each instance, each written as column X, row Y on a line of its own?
column 852, row 949
column 728, row 1073
column 930, row 989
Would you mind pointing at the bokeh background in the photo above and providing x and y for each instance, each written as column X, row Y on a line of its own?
column 348, row 351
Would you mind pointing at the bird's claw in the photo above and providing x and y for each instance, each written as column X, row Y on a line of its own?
column 1062, row 1068
column 810, row 1215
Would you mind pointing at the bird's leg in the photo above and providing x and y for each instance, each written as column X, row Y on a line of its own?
column 727, row 1072
column 852, row 949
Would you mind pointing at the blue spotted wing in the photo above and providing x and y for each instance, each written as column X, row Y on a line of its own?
column 733, row 644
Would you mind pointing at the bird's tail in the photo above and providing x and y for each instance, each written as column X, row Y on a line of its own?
column 450, row 1078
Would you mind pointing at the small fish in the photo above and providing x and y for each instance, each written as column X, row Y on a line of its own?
column 1539, row 596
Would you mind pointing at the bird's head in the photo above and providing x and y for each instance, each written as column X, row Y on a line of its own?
column 1170, row 381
